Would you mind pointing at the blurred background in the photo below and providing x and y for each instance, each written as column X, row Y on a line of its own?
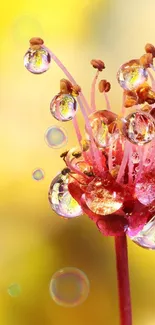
column 34, row 241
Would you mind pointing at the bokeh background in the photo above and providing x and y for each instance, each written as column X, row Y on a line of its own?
column 35, row 242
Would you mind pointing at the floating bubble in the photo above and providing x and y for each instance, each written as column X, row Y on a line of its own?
column 56, row 137
column 103, row 197
column 69, row 287
column 104, row 127
column 38, row 174
column 145, row 188
column 139, row 128
column 37, row 61
column 14, row 290
column 61, row 200
column 146, row 237
column 63, row 107
column 131, row 75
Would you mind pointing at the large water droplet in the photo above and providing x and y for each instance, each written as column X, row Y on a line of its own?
column 131, row 75
column 69, row 287
column 61, row 200
column 103, row 197
column 37, row 61
column 139, row 128
column 146, row 237
column 63, row 107
column 104, row 128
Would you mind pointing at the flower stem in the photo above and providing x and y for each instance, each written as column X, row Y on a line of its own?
column 123, row 280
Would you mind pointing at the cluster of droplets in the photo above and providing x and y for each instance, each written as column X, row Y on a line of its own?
column 115, row 163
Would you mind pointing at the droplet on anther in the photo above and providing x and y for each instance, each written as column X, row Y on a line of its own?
column 131, row 74
column 63, row 107
column 139, row 128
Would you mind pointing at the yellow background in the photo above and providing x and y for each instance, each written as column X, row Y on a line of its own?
column 35, row 242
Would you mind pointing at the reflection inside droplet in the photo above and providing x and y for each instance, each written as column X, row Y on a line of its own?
column 69, row 287
column 55, row 137
column 14, row 290
column 38, row 174
column 146, row 237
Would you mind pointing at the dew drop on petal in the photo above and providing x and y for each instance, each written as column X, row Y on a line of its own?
column 14, row 290
column 103, row 197
column 63, row 107
column 69, row 287
column 146, row 237
column 37, row 61
column 56, row 137
column 61, row 200
column 139, row 128
column 38, row 174
column 145, row 188
column 131, row 75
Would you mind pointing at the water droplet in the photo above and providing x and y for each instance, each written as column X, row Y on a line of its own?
column 139, row 128
column 56, row 137
column 104, row 128
column 146, row 237
column 63, row 107
column 135, row 158
column 38, row 174
column 147, row 162
column 69, row 287
column 60, row 199
column 14, row 290
column 37, row 61
column 103, row 198
column 131, row 75
column 145, row 188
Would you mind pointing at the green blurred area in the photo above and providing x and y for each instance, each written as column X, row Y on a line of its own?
column 34, row 242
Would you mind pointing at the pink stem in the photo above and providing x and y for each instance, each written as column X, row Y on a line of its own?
column 124, row 161
column 107, row 101
column 123, row 280
column 93, row 104
column 123, row 107
column 68, row 75
column 77, row 130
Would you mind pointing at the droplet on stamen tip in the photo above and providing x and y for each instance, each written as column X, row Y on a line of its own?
column 63, row 107
column 37, row 61
column 131, row 74
column 139, row 128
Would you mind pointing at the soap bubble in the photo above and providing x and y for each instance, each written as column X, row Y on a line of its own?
column 56, row 137
column 135, row 158
column 37, row 61
column 69, row 287
column 63, row 107
column 131, row 75
column 61, row 200
column 14, row 290
column 139, row 128
column 146, row 237
column 38, row 174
